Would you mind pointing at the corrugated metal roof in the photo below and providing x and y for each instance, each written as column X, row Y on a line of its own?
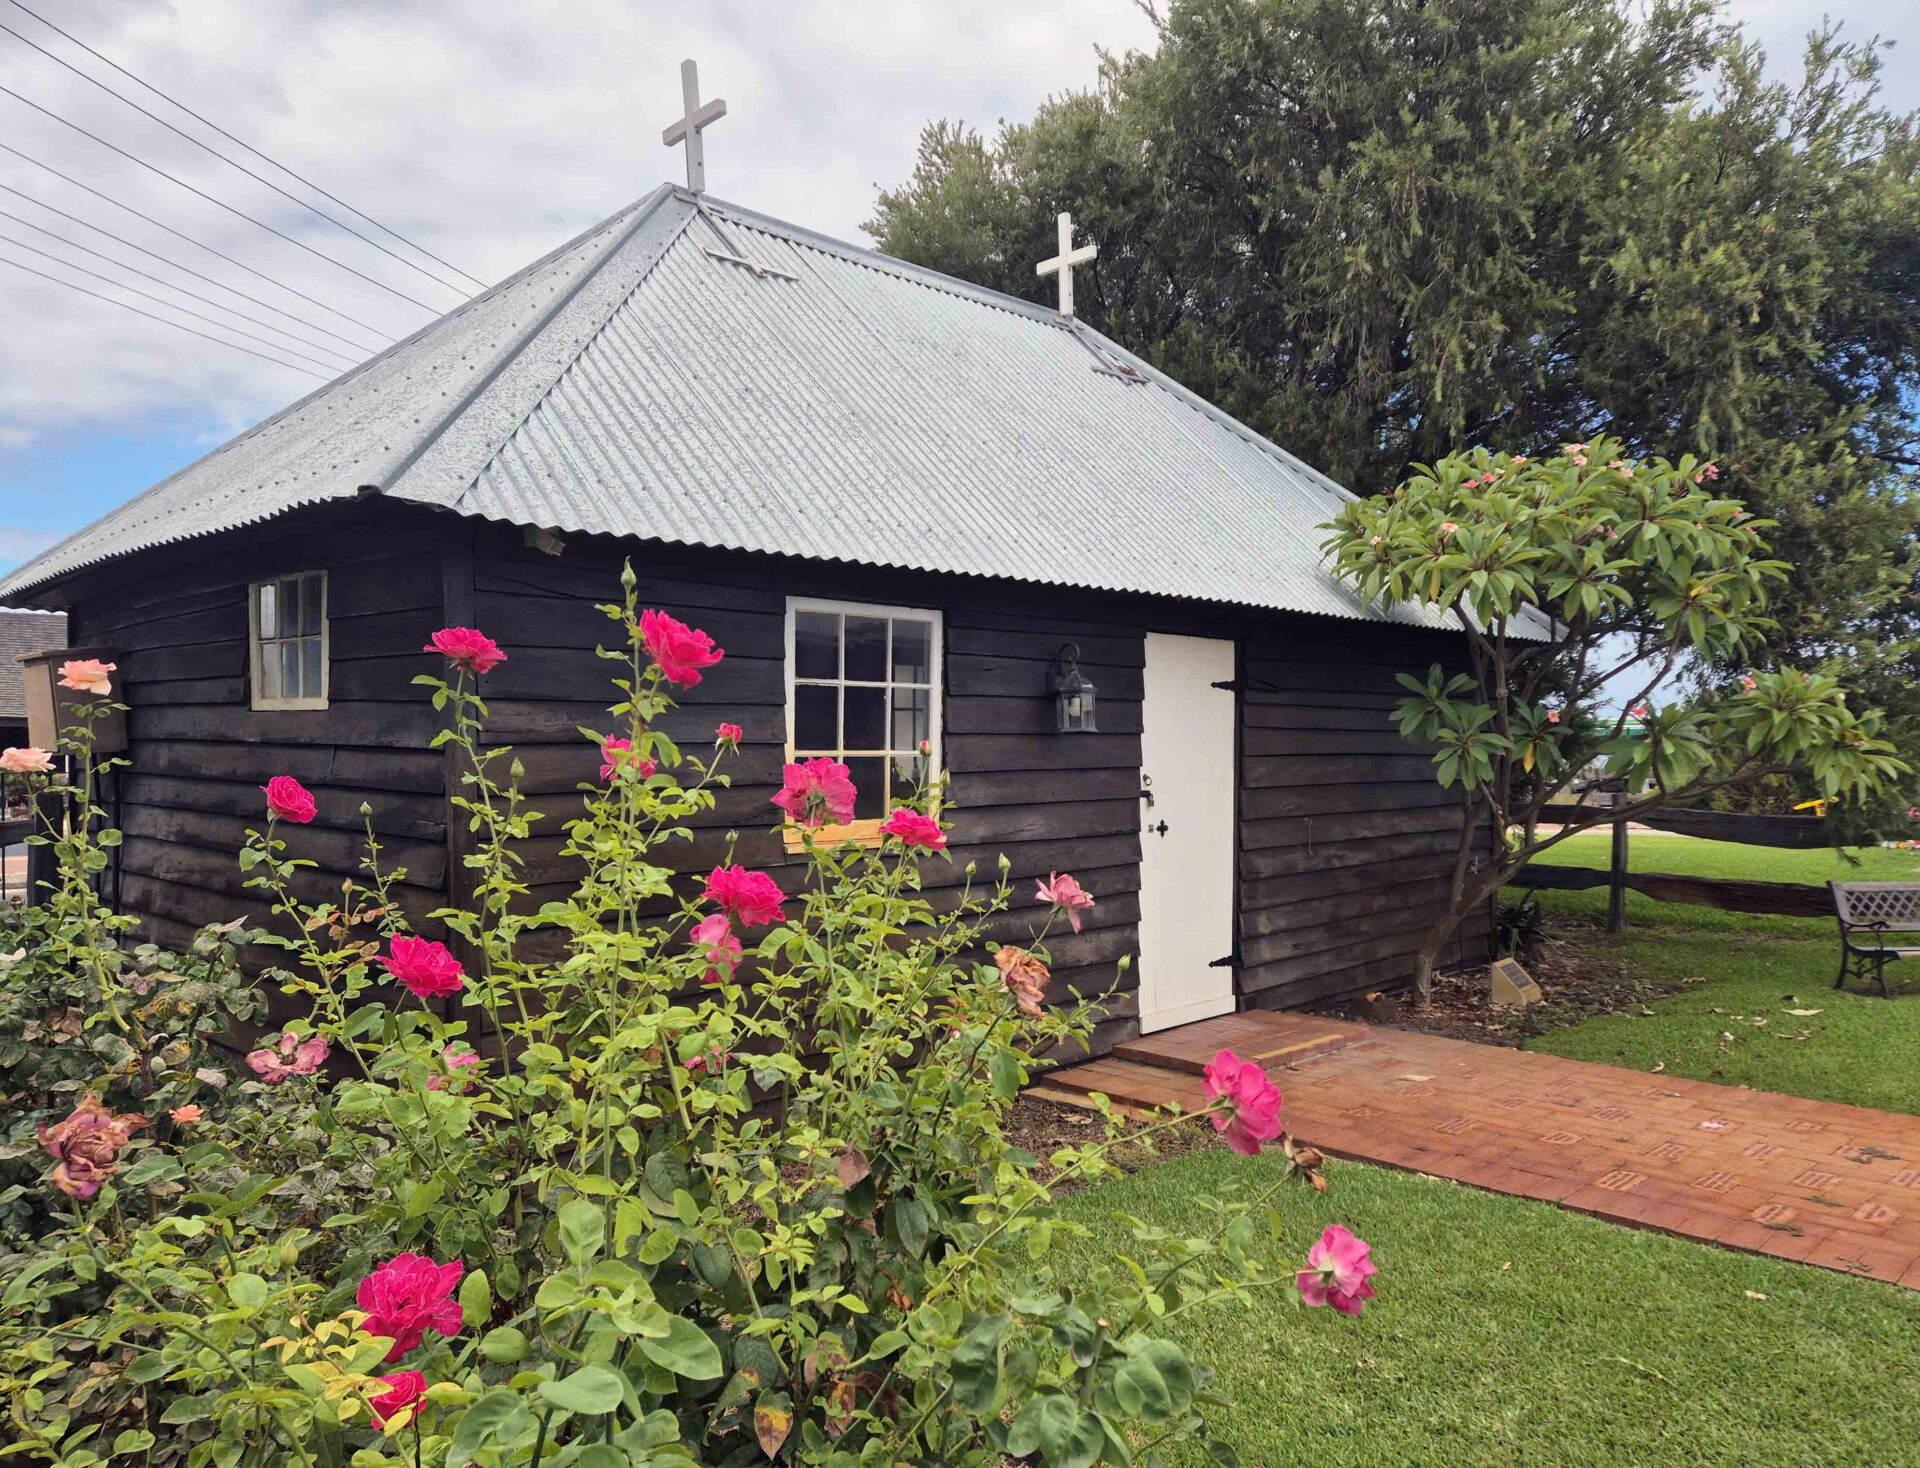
column 832, row 403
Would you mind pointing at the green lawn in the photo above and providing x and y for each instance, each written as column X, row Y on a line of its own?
column 1733, row 969
column 1508, row 1332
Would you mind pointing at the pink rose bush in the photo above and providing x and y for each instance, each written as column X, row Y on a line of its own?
column 1337, row 1272
column 426, row 968
column 817, row 792
column 403, row 1394
column 613, row 754
column 86, row 1145
column 1065, row 896
column 719, row 945
column 408, row 1296
column 466, row 648
column 728, row 735
column 916, row 830
column 28, row 761
column 679, row 651
column 751, row 898
column 88, row 675
column 460, row 1064
column 288, row 800
column 288, row 1056
column 1251, row 1115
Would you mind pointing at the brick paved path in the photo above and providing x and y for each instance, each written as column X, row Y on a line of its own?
column 1833, row 1185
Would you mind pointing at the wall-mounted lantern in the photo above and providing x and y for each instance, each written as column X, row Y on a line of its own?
column 1072, row 694
column 51, row 715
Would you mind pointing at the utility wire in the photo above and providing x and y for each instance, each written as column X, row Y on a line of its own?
column 311, row 300
column 177, row 325
column 162, row 301
column 175, row 101
column 267, row 182
column 344, row 362
column 171, row 263
column 237, row 213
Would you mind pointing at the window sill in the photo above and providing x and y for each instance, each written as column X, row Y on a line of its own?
column 282, row 705
column 858, row 833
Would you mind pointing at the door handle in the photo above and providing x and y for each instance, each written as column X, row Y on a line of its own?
column 1161, row 828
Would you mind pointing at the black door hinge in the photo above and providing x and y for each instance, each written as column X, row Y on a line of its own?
column 1228, row 685
column 1232, row 960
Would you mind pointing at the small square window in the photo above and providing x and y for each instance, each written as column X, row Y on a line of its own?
column 865, row 690
column 288, row 652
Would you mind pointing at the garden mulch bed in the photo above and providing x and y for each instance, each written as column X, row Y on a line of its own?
column 1043, row 1127
column 1579, row 979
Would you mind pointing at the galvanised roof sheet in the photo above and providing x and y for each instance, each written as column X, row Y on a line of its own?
column 696, row 373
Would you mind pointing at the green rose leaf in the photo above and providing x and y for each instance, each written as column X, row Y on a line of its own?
column 504, row 1345
column 1054, row 1427
column 686, row 1351
column 583, row 1231
column 592, row 1391
column 976, row 1366
column 476, row 1299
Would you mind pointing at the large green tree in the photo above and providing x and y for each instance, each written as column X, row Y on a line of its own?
column 1377, row 229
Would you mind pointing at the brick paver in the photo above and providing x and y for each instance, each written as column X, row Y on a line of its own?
column 1833, row 1185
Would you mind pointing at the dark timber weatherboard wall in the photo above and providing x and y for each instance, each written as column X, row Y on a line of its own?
column 1343, row 833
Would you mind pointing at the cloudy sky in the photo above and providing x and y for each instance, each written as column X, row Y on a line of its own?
column 485, row 134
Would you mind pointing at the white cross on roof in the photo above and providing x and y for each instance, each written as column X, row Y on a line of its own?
column 691, row 126
column 1063, row 263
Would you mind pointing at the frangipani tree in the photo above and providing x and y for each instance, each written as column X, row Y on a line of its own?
column 1571, row 575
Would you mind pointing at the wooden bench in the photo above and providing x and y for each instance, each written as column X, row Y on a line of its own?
column 1869, row 914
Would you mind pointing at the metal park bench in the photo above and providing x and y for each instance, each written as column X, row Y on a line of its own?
column 1870, row 914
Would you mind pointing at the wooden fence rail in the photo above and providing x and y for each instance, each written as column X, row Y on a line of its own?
column 1786, row 899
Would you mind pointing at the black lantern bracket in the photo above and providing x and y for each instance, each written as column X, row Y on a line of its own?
column 1073, row 694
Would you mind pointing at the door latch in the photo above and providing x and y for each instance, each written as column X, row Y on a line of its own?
column 1161, row 828
column 1146, row 790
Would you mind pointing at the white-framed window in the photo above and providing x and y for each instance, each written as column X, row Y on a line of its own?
column 287, row 641
column 863, row 687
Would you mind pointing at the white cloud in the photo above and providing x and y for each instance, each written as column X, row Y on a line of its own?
column 489, row 133
column 12, row 437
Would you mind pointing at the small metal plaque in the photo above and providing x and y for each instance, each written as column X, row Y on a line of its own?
column 1513, row 986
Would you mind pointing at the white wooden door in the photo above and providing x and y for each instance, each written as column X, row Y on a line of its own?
column 1186, row 831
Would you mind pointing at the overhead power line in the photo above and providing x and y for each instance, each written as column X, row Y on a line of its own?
column 231, row 163
column 89, row 188
column 343, row 363
column 222, row 203
column 176, row 325
column 238, row 142
column 171, row 264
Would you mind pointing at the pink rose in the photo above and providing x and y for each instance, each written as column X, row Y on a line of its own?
column 457, row 1062
column 679, row 650
column 1252, row 1113
column 1065, row 895
column 817, row 792
column 1025, row 977
column 747, row 897
column 185, row 1115
column 728, row 734
column 28, row 761
column 714, row 935
column 286, row 1057
column 403, row 1394
column 288, row 800
column 88, row 675
column 915, row 829
column 611, row 749
column 427, row 969
column 712, row 1060
column 1337, row 1271
column 408, row 1296
column 86, row 1144
column 467, row 648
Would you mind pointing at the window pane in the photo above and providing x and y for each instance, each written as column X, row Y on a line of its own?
column 310, row 606
column 310, row 668
column 907, row 777
column 867, row 648
column 912, row 644
column 910, row 721
column 816, row 645
column 269, row 623
column 816, row 717
column 866, row 718
column 289, row 655
column 270, row 668
column 870, row 785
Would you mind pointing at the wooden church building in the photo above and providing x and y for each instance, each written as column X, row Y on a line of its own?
column 904, row 505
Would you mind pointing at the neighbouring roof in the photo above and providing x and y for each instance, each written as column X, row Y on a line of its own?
column 22, row 633
column 692, row 372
